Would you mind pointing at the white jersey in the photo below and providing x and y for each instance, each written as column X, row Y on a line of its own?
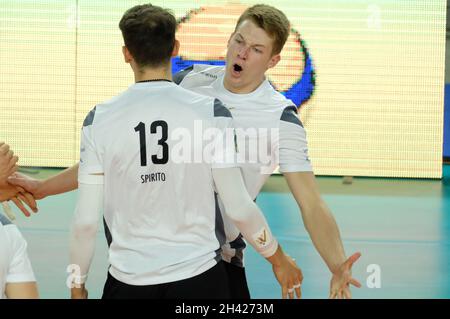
column 160, row 212
column 15, row 266
column 264, row 118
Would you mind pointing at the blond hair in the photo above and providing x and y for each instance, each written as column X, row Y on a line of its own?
column 271, row 20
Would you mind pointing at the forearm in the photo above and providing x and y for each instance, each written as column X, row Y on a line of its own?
column 82, row 247
column 253, row 226
column 243, row 211
column 65, row 181
column 324, row 233
column 317, row 218
column 84, row 228
column 278, row 257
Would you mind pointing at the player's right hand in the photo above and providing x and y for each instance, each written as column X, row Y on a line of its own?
column 31, row 185
column 28, row 192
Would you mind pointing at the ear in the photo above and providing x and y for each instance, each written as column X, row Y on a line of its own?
column 274, row 60
column 126, row 55
column 176, row 48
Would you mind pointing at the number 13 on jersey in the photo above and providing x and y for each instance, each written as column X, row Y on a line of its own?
column 162, row 142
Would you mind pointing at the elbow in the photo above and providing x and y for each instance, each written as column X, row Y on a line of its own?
column 313, row 208
column 84, row 229
column 240, row 214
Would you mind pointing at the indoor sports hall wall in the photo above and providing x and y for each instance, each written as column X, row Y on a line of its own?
column 368, row 76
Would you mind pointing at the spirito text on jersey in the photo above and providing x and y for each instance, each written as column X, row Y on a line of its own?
column 153, row 177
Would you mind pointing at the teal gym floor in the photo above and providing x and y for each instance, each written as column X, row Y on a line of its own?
column 402, row 226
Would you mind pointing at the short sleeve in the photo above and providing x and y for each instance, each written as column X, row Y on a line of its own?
column 293, row 146
column 225, row 147
column 180, row 75
column 90, row 162
column 20, row 269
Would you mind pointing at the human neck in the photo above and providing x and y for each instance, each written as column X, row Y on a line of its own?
column 147, row 74
column 241, row 90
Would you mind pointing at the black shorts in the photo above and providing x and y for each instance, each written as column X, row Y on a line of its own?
column 212, row 284
column 237, row 281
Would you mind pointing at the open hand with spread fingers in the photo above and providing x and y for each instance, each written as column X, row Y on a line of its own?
column 342, row 279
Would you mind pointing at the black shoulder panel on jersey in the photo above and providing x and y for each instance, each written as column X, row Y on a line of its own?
column 107, row 232
column 4, row 220
column 290, row 115
column 220, row 110
column 89, row 118
column 179, row 76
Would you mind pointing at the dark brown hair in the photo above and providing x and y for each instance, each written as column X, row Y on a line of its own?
column 149, row 34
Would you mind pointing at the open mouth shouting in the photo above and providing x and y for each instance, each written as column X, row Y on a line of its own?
column 237, row 69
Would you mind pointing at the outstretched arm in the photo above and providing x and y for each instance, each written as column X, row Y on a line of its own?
column 324, row 232
column 63, row 182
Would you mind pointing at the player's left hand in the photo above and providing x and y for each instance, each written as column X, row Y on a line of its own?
column 342, row 279
column 79, row 293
